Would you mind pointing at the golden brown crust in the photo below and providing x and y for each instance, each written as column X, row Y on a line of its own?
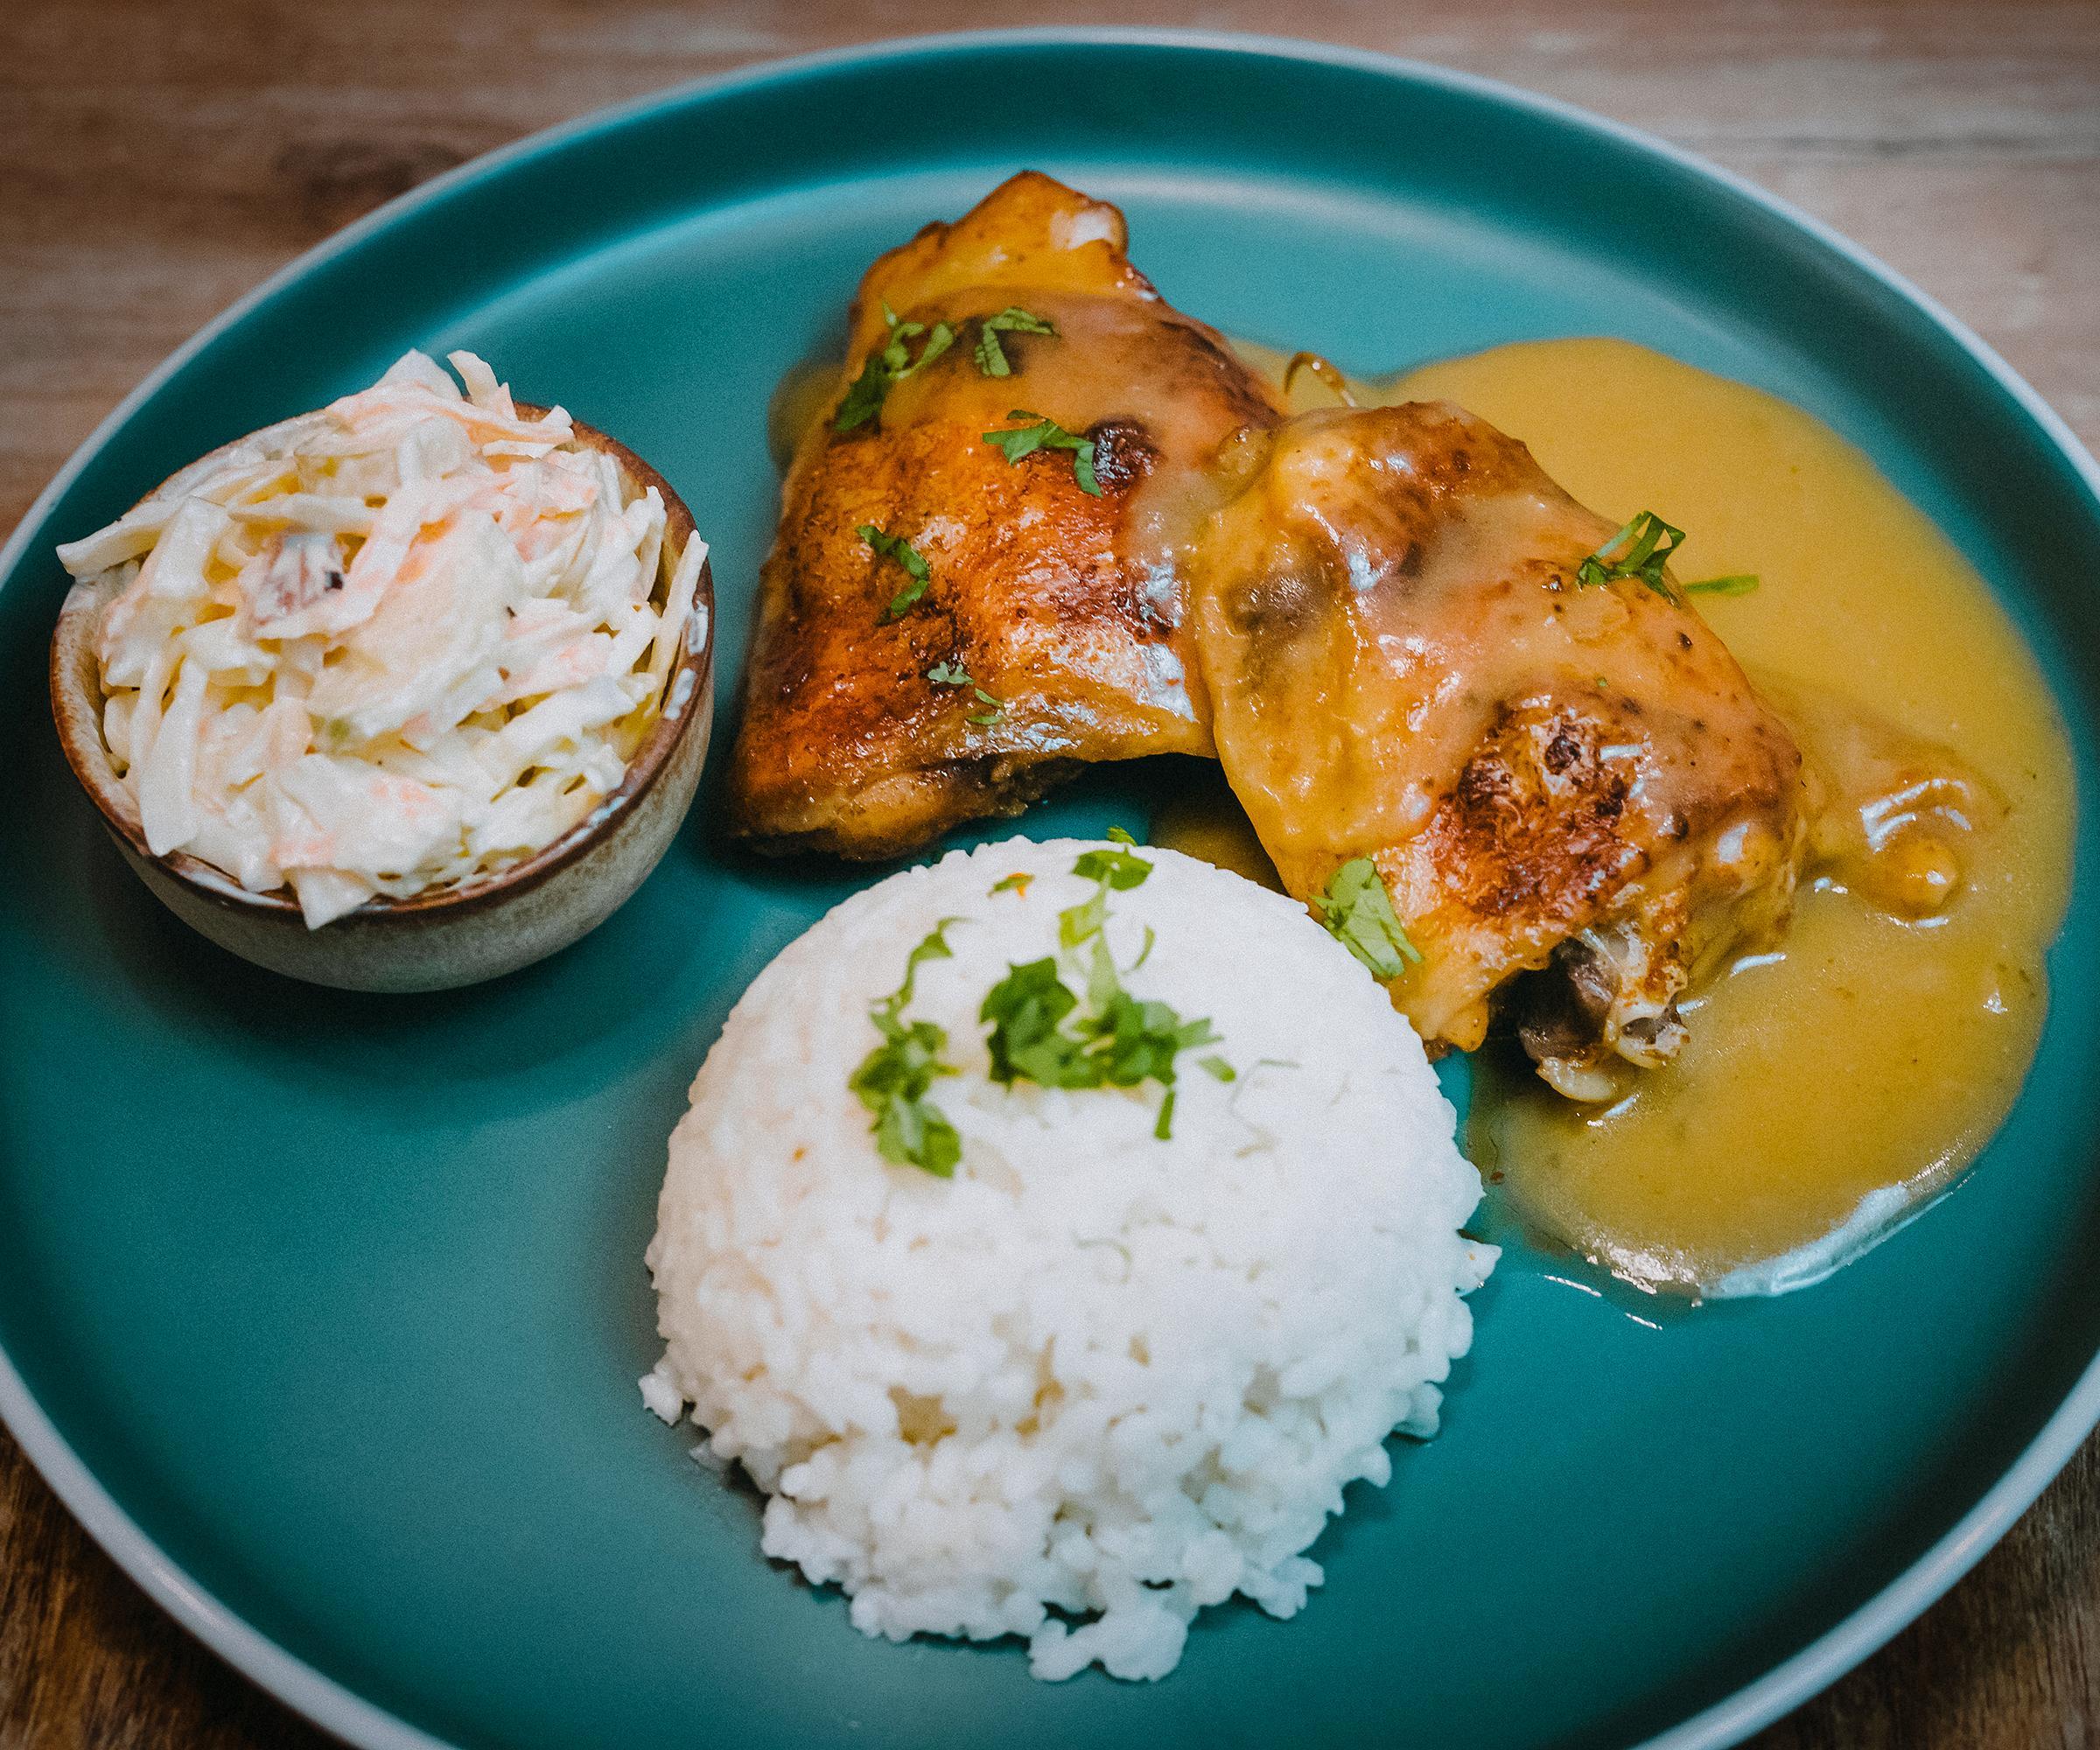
column 1374, row 613
column 1402, row 666
column 1047, row 596
column 1030, row 231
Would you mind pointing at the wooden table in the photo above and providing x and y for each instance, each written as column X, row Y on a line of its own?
column 160, row 159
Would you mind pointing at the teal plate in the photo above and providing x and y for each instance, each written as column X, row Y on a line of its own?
column 325, row 1313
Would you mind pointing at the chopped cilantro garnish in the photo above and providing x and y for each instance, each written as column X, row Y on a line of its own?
column 1076, row 923
column 1012, row 884
column 1358, row 913
column 1219, row 1067
column 1122, row 870
column 1026, row 1043
column 888, row 365
column 1047, row 434
column 892, row 1080
column 1042, row 1033
column 1117, row 836
column 1102, row 983
column 933, row 946
column 896, row 547
column 955, row 674
column 1137, row 1042
column 864, row 399
column 1115, row 868
column 990, row 354
column 1641, row 547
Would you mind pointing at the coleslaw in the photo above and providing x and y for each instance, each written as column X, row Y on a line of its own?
column 395, row 645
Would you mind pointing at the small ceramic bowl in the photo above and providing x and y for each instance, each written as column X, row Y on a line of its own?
column 458, row 935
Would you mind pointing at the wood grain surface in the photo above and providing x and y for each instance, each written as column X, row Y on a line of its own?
column 160, row 159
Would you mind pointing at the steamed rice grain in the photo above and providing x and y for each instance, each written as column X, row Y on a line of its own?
column 1096, row 1380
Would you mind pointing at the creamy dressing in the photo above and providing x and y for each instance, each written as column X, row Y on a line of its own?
column 387, row 646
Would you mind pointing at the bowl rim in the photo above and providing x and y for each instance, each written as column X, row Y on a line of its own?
column 77, row 715
column 333, row 1704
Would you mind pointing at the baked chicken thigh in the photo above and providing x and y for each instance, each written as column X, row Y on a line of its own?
column 971, row 594
column 1562, row 775
column 1047, row 520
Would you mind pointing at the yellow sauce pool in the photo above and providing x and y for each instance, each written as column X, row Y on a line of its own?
column 1833, row 1082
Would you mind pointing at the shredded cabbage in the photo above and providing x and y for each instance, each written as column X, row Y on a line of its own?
column 394, row 646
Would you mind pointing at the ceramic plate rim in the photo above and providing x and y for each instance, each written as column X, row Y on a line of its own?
column 341, row 1711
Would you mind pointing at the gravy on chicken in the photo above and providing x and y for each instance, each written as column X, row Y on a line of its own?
column 1833, row 1079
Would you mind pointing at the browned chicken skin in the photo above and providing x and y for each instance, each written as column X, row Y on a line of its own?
column 1051, row 599
column 1574, row 797
column 1402, row 665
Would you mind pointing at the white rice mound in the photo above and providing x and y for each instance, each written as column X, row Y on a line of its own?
column 1094, row 1373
